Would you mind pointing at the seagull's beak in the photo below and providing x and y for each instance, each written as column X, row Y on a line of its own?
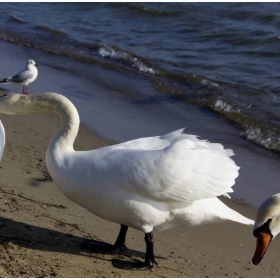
column 263, row 240
column 36, row 64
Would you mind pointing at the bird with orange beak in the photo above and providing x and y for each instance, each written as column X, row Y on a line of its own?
column 267, row 226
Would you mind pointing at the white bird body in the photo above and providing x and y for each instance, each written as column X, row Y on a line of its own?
column 149, row 183
column 24, row 77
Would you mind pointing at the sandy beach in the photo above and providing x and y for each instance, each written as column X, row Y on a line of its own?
column 41, row 230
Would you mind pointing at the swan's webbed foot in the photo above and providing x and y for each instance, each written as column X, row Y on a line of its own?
column 132, row 265
column 101, row 247
column 149, row 259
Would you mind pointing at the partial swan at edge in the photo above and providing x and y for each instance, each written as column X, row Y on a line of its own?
column 151, row 183
column 267, row 226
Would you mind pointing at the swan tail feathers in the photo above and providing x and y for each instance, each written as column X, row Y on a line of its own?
column 243, row 220
column 227, row 195
column 234, row 216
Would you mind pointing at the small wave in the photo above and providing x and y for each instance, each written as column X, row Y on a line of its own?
column 267, row 19
column 264, row 137
column 13, row 19
column 254, row 129
column 145, row 9
column 208, row 83
column 51, row 31
column 195, row 90
column 107, row 51
column 222, row 105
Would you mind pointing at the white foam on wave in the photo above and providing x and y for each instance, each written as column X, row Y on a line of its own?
column 209, row 84
column 269, row 140
column 224, row 106
column 107, row 51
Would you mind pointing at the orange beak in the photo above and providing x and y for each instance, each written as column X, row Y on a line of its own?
column 263, row 240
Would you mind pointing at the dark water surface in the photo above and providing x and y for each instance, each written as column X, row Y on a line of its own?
column 223, row 56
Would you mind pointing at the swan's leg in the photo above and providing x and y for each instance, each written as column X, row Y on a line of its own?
column 102, row 247
column 149, row 259
column 120, row 242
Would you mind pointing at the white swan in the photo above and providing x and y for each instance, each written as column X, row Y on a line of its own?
column 267, row 226
column 25, row 77
column 149, row 183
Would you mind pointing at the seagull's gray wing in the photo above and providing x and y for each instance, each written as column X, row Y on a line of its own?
column 21, row 77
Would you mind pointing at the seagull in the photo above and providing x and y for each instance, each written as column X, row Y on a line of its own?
column 24, row 77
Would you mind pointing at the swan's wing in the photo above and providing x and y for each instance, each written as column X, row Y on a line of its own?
column 152, row 143
column 2, row 139
column 186, row 170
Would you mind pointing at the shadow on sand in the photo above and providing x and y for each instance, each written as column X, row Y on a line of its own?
column 39, row 238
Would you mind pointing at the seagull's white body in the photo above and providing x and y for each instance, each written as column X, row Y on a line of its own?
column 24, row 77
column 149, row 183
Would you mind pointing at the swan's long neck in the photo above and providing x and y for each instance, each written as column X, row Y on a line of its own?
column 69, row 126
column 69, row 116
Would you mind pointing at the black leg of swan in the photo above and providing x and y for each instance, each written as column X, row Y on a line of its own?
column 101, row 247
column 120, row 242
column 149, row 259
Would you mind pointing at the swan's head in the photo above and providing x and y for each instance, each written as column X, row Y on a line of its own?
column 31, row 62
column 20, row 104
column 13, row 103
column 267, row 226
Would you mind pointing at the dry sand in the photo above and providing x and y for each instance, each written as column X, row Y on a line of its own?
column 41, row 230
